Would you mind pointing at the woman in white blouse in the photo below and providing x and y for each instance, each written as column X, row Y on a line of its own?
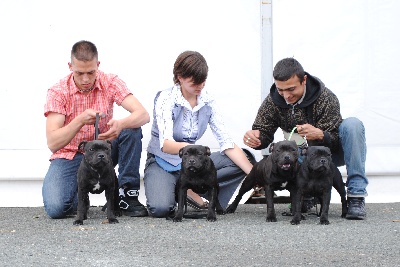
column 180, row 117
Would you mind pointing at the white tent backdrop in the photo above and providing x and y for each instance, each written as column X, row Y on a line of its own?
column 139, row 41
column 350, row 45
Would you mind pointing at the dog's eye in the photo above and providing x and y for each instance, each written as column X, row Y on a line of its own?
column 200, row 153
column 91, row 149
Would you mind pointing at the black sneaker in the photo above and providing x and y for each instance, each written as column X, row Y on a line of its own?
column 356, row 209
column 130, row 205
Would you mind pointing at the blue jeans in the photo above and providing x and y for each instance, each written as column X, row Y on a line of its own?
column 160, row 185
column 60, row 185
column 352, row 153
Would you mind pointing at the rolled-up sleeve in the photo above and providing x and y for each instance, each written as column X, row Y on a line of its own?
column 164, row 117
column 218, row 128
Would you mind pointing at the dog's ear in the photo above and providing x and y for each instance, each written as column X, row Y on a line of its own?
column 181, row 152
column 109, row 142
column 271, row 147
column 82, row 145
column 208, row 151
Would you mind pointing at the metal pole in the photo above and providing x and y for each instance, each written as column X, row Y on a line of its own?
column 266, row 52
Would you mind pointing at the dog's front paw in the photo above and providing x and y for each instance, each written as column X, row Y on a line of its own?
column 221, row 212
column 112, row 221
column 177, row 219
column 271, row 219
column 118, row 213
column 294, row 222
column 211, row 218
column 78, row 222
column 324, row 222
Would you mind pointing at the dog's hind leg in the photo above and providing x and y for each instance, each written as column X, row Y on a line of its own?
column 219, row 209
column 340, row 188
column 342, row 193
column 246, row 186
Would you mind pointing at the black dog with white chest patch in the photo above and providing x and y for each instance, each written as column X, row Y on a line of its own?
column 199, row 174
column 275, row 172
column 96, row 174
column 317, row 175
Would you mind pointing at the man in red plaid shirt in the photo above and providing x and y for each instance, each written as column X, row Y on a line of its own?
column 70, row 110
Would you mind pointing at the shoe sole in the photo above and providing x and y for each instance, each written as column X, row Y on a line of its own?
column 355, row 217
column 136, row 213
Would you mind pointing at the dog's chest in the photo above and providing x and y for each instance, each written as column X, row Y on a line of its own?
column 95, row 185
column 281, row 182
column 280, row 185
column 319, row 183
column 199, row 185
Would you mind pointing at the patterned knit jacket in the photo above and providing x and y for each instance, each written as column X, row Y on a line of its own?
column 320, row 108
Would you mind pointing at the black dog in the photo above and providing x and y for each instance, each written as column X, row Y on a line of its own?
column 316, row 177
column 199, row 174
column 95, row 175
column 275, row 172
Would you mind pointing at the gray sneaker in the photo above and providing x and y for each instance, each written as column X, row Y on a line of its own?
column 356, row 209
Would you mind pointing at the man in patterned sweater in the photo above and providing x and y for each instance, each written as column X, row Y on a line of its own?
column 299, row 101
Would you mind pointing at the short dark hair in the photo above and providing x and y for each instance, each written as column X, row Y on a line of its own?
column 287, row 68
column 84, row 51
column 191, row 64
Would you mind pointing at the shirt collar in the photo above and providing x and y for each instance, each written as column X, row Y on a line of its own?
column 203, row 99
column 75, row 89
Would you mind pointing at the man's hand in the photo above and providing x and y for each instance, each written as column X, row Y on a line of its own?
column 251, row 138
column 88, row 117
column 310, row 132
column 113, row 132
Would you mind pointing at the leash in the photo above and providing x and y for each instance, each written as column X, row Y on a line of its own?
column 291, row 133
column 96, row 127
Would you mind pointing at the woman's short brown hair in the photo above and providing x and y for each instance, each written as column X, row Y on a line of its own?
column 191, row 64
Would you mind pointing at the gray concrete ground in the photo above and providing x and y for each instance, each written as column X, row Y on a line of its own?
column 29, row 238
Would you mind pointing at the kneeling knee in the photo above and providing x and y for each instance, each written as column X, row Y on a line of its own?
column 160, row 211
column 57, row 211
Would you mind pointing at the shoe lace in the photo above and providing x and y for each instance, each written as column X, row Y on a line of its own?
column 356, row 202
